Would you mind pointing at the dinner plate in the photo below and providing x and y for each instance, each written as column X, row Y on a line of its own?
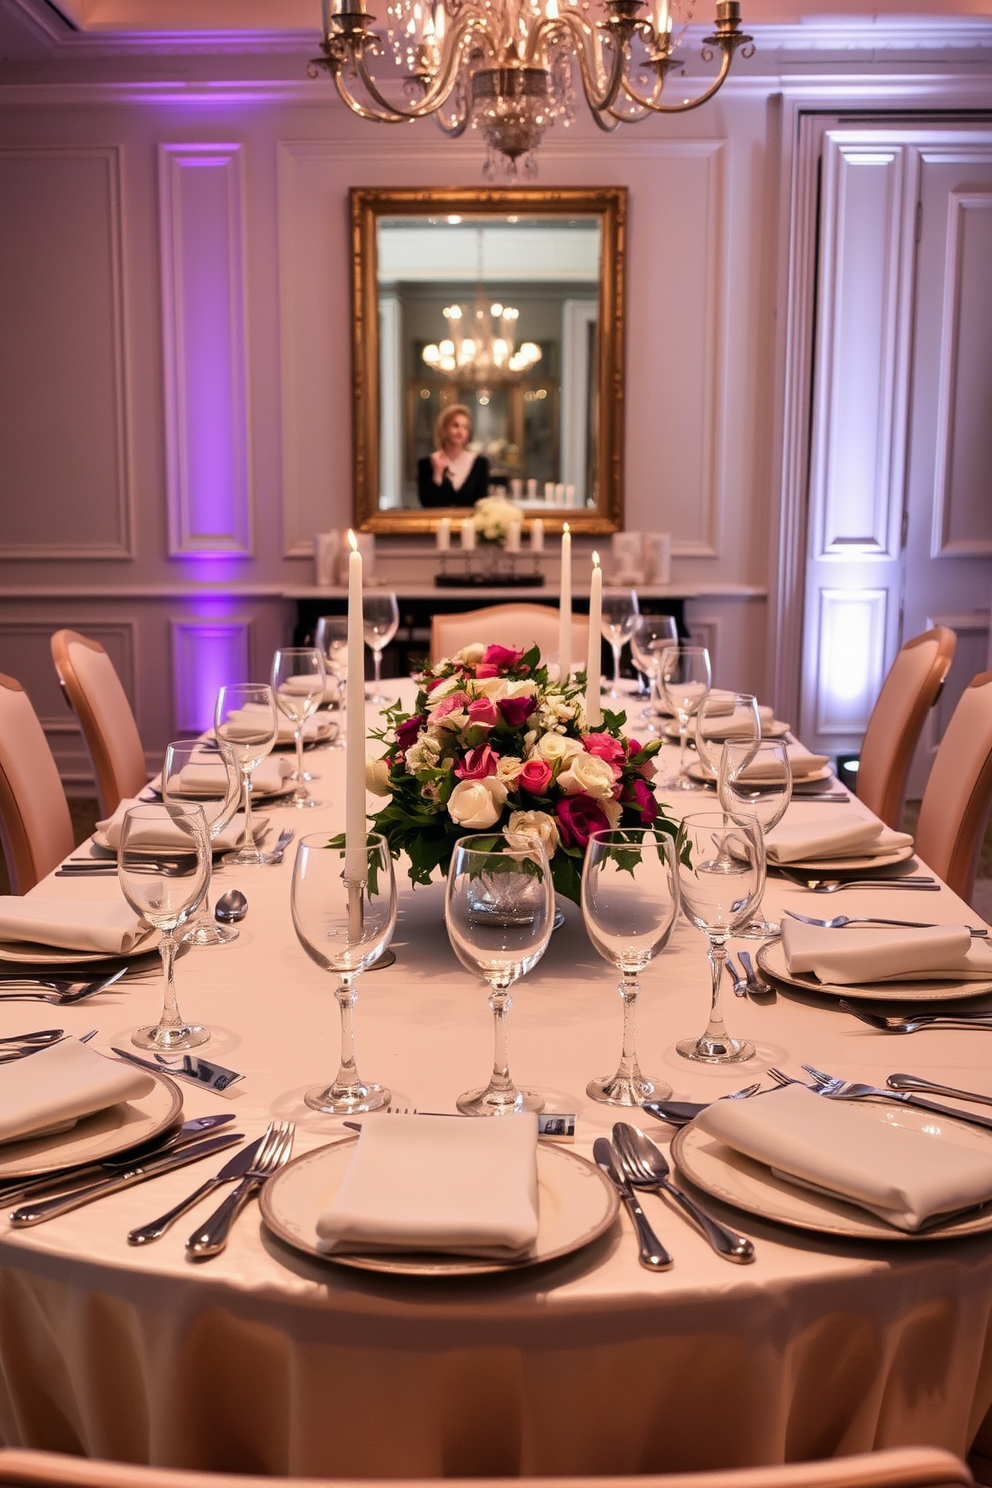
column 576, row 1203
column 726, row 1174
column 846, row 865
column 773, row 728
column 698, row 771
column 29, row 953
column 771, row 959
column 96, row 1137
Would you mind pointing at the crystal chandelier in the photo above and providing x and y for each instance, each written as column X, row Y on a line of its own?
column 482, row 351
column 505, row 66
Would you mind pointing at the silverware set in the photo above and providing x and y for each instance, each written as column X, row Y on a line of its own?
column 832, row 1087
column 748, row 983
column 923, row 883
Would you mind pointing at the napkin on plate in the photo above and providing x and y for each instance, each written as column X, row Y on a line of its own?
column 722, row 725
column 112, row 929
column 314, row 727
column 59, row 1085
column 164, row 837
column 905, row 1177
column 864, row 953
column 208, row 776
column 801, row 762
column 718, row 702
column 845, row 835
column 438, row 1183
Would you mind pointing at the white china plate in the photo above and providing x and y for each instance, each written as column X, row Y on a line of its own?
column 698, row 771
column 771, row 959
column 728, row 1175
column 28, row 953
column 96, row 1137
column 577, row 1204
column 773, row 728
column 847, row 865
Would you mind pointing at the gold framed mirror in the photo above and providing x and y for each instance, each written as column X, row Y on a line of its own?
column 511, row 304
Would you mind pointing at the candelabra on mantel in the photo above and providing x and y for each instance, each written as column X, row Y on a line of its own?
column 505, row 66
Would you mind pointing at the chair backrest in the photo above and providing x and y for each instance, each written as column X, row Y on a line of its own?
column 899, row 1467
column 516, row 625
column 956, row 801
column 909, row 691
column 94, row 690
column 35, row 826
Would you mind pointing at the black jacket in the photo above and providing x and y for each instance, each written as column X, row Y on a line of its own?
column 472, row 489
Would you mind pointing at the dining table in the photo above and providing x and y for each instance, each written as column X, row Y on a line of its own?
column 272, row 1360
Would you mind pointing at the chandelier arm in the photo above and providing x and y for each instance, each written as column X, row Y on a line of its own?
column 385, row 115
column 467, row 23
column 677, row 108
column 584, row 41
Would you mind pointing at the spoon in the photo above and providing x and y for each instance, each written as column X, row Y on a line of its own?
column 646, row 1167
column 42, row 1036
column 231, row 907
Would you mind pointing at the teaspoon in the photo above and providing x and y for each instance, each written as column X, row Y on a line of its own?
column 231, row 907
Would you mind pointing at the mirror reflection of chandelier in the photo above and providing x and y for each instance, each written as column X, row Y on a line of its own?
column 505, row 67
column 479, row 348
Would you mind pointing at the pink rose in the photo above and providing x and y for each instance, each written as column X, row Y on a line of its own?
column 605, row 747
column 535, row 776
column 501, row 657
column 516, row 710
column 478, row 763
column 486, row 669
column 483, row 711
column 578, row 818
column 450, row 704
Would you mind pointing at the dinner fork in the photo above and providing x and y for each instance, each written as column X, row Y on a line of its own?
column 276, row 1149
column 835, row 1088
column 920, row 882
column 839, row 921
column 63, row 999
column 913, row 1022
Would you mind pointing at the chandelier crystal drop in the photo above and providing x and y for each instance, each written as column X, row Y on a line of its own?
column 505, row 67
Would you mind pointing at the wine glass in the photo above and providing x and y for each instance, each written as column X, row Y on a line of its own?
column 298, row 679
column 331, row 640
column 630, row 901
column 685, row 678
column 718, row 900
column 165, row 900
column 649, row 636
column 620, row 610
column 714, row 725
column 246, row 722
column 499, row 910
column 755, row 784
column 381, row 619
column 189, row 774
column 344, row 924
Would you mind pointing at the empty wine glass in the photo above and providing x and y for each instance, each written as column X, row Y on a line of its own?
column 620, row 610
column 684, row 677
column 298, row 678
column 191, row 774
column 649, row 636
column 718, row 900
column 381, row 618
column 344, row 924
column 630, row 900
column 331, row 640
column 499, row 910
column 755, row 784
column 246, row 722
column 715, row 724
column 165, row 900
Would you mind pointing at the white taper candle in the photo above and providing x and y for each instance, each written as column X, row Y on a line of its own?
column 565, row 605
column 594, row 712
column 355, row 859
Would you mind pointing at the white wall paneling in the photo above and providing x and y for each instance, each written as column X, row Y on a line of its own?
column 205, row 656
column 63, row 406
column 851, row 659
column 204, row 312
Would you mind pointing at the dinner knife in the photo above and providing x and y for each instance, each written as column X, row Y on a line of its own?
column 651, row 1253
column 195, row 1069
column 235, row 1167
column 42, row 1209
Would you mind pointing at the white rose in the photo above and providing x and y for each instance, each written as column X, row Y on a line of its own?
column 589, row 775
column 450, row 684
column 520, row 689
column 490, row 687
column 471, row 655
column 423, row 755
column 377, row 777
column 533, row 824
column 554, row 747
column 450, row 723
column 613, row 812
column 477, row 803
column 509, row 768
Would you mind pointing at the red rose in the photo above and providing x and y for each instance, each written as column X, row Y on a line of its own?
column 516, row 710
column 407, row 732
column 501, row 657
column 578, row 817
column 478, row 763
column 640, row 796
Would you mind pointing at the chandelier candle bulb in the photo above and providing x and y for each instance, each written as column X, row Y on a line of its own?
column 443, row 534
column 537, row 536
column 594, row 712
column 355, row 856
column 565, row 603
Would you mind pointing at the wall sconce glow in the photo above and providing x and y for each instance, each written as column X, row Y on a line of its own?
column 851, row 657
column 206, row 654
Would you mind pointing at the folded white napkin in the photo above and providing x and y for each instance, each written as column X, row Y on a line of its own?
column 718, row 702
column 801, row 762
column 904, row 1177
column 94, row 925
column 208, row 776
column 733, row 725
column 867, row 953
column 845, row 835
column 164, row 837
column 248, row 717
column 57, row 1086
column 438, row 1183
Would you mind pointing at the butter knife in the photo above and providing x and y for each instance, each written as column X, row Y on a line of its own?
column 651, row 1253
column 42, row 1209
column 235, row 1167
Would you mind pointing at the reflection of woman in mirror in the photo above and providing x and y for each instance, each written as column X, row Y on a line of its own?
column 452, row 475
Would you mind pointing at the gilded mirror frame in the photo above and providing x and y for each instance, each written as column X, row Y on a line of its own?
column 609, row 205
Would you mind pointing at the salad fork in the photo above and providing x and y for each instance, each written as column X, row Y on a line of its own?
column 839, row 921
column 834, row 1088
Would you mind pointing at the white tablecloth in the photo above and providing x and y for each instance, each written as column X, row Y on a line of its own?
column 262, row 1360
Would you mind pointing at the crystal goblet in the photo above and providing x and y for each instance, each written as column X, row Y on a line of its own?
column 192, row 775
column 246, row 723
column 756, row 785
column 298, row 680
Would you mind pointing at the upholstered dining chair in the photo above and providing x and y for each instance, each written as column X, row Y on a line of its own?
column 958, row 794
column 513, row 625
column 94, row 692
column 909, row 691
column 35, row 826
column 899, row 1467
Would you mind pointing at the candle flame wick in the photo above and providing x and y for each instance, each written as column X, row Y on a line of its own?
column 595, row 560
column 565, row 527
column 352, row 541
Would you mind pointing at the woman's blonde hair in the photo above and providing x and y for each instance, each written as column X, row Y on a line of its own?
column 446, row 416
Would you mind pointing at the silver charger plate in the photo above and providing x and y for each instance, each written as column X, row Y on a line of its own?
column 102, row 1135
column 861, row 863
column 771, row 960
column 576, row 1205
column 746, row 1184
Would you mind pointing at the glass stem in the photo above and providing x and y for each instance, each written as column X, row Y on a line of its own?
column 683, row 736
column 249, row 837
column 501, row 1086
column 716, row 1029
column 347, row 1074
column 300, row 794
column 617, row 648
column 629, row 988
column 170, row 1008
column 377, row 666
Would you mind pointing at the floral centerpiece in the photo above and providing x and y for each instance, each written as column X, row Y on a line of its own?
column 492, row 745
column 492, row 517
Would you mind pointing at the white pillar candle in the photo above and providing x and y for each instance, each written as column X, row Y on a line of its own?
column 513, row 537
column 594, row 712
column 532, row 490
column 559, row 494
column 516, row 488
column 549, row 492
column 565, row 605
column 443, row 534
column 537, row 536
column 467, row 534
column 569, row 495
column 355, row 859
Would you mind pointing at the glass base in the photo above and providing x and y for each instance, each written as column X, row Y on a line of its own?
column 344, row 1100
column 303, row 803
column 248, row 857
column 759, row 930
column 384, row 959
column 207, row 933
column 168, row 1040
column 622, row 1090
column 708, row 1050
column 488, row 1102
